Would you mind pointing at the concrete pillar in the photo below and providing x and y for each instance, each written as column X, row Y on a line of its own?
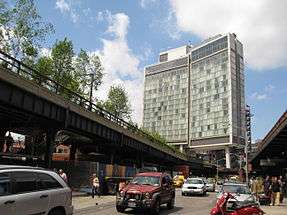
column 227, row 157
column 181, row 148
column 50, row 137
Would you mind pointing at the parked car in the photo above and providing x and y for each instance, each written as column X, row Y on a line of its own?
column 29, row 190
column 210, row 185
column 241, row 192
column 147, row 191
column 193, row 186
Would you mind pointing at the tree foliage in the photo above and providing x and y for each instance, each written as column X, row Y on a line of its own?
column 88, row 70
column 22, row 30
column 117, row 102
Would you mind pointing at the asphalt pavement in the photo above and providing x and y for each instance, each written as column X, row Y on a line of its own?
column 194, row 205
column 184, row 205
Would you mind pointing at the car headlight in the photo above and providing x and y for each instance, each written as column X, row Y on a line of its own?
column 122, row 193
column 147, row 196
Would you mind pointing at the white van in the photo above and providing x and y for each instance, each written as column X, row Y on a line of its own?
column 29, row 190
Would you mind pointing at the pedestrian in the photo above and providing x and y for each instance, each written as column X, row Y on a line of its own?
column 282, row 186
column 63, row 175
column 95, row 186
column 266, row 186
column 275, row 188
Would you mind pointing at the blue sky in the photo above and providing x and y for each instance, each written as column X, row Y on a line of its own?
column 129, row 34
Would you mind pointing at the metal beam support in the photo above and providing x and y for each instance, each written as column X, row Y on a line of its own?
column 50, row 137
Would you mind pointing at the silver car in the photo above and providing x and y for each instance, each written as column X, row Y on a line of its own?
column 29, row 190
column 241, row 193
column 210, row 185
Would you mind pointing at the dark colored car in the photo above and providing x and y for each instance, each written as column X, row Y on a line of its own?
column 147, row 191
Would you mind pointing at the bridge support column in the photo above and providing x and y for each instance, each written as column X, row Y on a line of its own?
column 227, row 157
column 112, row 158
column 50, row 137
column 73, row 151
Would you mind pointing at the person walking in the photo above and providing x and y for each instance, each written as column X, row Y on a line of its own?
column 95, row 186
column 275, row 188
column 282, row 187
column 63, row 175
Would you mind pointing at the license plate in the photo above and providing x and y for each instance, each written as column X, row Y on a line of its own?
column 132, row 204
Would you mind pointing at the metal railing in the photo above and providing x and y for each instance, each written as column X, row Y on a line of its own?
column 31, row 74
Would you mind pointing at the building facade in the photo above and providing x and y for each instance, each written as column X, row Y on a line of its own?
column 194, row 97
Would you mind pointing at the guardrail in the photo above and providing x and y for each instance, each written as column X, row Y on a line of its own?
column 29, row 73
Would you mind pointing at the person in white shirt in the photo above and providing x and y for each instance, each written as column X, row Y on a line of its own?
column 63, row 175
column 95, row 186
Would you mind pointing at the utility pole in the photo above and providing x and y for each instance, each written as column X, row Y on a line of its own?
column 91, row 88
column 247, row 139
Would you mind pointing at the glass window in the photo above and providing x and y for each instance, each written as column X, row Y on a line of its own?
column 5, row 184
column 46, row 182
column 24, row 182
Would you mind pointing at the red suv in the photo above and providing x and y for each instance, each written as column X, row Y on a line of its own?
column 147, row 190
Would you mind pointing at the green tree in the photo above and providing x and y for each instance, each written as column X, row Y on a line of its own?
column 63, row 70
column 89, row 71
column 22, row 30
column 118, row 102
column 44, row 66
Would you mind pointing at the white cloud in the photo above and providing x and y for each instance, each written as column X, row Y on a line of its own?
column 66, row 7
column 45, row 52
column 121, row 66
column 258, row 96
column 63, row 6
column 119, row 25
column 145, row 3
column 261, row 25
column 269, row 88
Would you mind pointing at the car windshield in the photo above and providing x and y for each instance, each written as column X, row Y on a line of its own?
column 194, row 181
column 148, row 180
column 240, row 189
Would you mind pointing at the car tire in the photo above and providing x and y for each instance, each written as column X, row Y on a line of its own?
column 56, row 212
column 183, row 194
column 120, row 209
column 170, row 204
column 155, row 210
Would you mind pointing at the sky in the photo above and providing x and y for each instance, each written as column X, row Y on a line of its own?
column 129, row 34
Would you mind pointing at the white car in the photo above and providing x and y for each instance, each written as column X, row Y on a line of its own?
column 241, row 192
column 30, row 190
column 193, row 186
column 210, row 185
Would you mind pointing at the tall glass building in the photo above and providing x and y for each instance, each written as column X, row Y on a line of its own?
column 194, row 96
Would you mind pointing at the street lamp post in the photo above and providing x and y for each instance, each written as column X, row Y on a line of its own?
column 92, row 75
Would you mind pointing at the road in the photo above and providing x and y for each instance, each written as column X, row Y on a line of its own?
column 185, row 205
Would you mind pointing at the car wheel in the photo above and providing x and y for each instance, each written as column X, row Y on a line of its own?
column 183, row 194
column 56, row 212
column 120, row 209
column 156, row 208
column 170, row 204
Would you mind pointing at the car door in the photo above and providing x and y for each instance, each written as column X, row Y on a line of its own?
column 29, row 200
column 57, row 194
column 7, row 199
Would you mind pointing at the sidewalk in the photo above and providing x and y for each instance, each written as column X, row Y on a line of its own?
column 276, row 210
column 82, row 200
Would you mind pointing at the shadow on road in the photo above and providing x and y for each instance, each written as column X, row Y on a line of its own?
column 163, row 210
